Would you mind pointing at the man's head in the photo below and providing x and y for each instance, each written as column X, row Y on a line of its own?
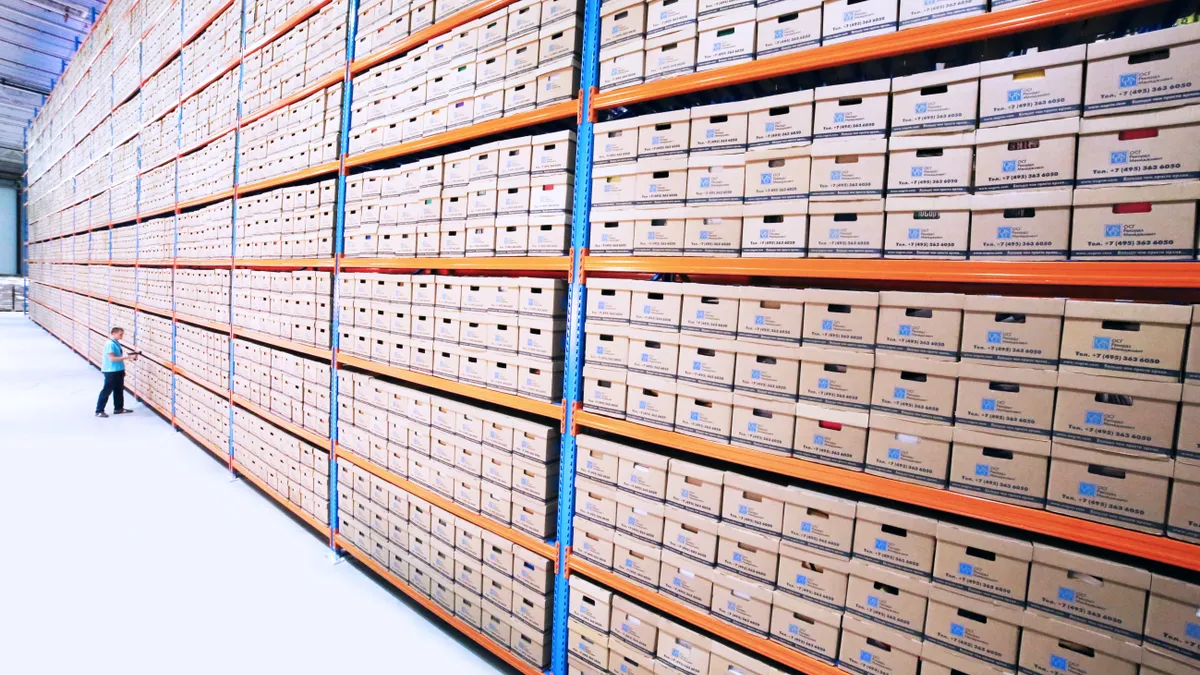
column 117, row 333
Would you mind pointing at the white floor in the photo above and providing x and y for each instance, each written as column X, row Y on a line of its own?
column 128, row 549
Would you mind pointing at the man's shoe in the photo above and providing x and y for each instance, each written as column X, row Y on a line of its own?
column 101, row 414
column 122, row 411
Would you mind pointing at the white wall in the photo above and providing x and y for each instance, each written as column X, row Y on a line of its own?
column 9, row 234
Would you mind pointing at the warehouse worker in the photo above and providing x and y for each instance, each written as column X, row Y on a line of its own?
column 114, row 375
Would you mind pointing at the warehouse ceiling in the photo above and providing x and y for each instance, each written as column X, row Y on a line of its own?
column 38, row 38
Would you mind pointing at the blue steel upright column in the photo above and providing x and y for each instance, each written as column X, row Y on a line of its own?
column 339, row 231
column 237, row 167
column 573, row 373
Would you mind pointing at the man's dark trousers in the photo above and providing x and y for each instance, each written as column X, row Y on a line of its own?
column 114, row 383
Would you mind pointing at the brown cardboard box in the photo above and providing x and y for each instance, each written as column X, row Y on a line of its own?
column 593, row 542
column 745, row 604
column 1111, row 86
column 1154, row 663
column 1121, row 339
column 686, row 580
column 695, row 487
column 1171, row 628
column 1021, row 225
column 805, row 626
column 915, row 388
column 901, row 448
column 984, row 630
column 636, row 560
column 642, row 473
column 978, row 563
column 587, row 643
column 1102, row 595
column 893, row 599
column 634, row 624
column 831, row 436
column 763, row 423
column 1049, row 646
column 871, row 648
column 814, row 577
column 640, row 518
column 1109, row 154
column 1010, row 331
column 1183, row 517
column 1003, row 468
column 725, row 660
column 1008, row 401
column 844, row 319
column 627, row 660
column 925, row 324
column 685, row 650
column 821, row 522
column 836, row 377
column 937, row 660
column 748, row 553
column 1109, row 487
column 691, row 535
column 598, row 459
column 896, row 539
column 1152, row 222
column 1031, row 156
column 754, row 503
column 596, row 502
column 1116, row 414
column 704, row 412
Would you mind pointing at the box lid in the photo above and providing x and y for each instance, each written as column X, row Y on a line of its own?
column 671, row 117
column 780, row 493
column 853, row 89
column 955, row 662
column 885, row 516
column 992, row 610
column 820, row 501
column 704, row 394
column 883, row 575
column 713, row 211
column 1169, row 192
column 996, row 201
column 852, row 418
column 1167, row 37
column 1180, row 315
column 1015, row 132
column 705, row 160
column 1149, row 465
column 617, row 125
column 1006, row 547
column 671, row 163
column 676, row 35
column 801, row 97
column 1159, row 118
column 731, row 108
column 1015, row 305
column 613, row 6
column 1030, row 376
column 837, row 356
column 728, row 17
column 803, row 553
column 775, row 405
column 716, row 290
column 785, row 152
column 1030, row 446
column 762, row 349
column 651, row 382
column 604, row 374
column 936, row 77
column 1073, row 632
column 1033, row 60
column 1077, row 562
column 554, row 137
column 958, row 140
column 837, row 297
column 810, row 610
column 893, row 638
column 1180, row 591
column 767, row 293
column 900, row 425
column 748, row 537
column 907, row 204
column 835, row 147
column 831, row 208
column 1163, row 391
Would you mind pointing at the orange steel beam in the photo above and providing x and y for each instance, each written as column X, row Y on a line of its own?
column 426, row 34
column 534, row 264
column 282, row 343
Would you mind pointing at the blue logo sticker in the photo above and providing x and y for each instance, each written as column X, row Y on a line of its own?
column 1100, row 342
column 755, row 374
column 881, row 544
column 694, row 416
column 1058, row 662
column 966, row 569
column 905, row 329
column 899, row 392
column 743, row 510
column 1087, row 489
column 763, row 234
column 839, row 118
column 731, row 606
column 710, row 133
column 989, row 404
column 752, row 427
column 914, row 233
column 801, row 580
column 823, row 383
column 1118, row 157
column 705, row 182
column 1004, row 232
column 760, row 320
column 1093, row 417
column 699, row 314
column 1127, row 80
column 641, row 406
column 995, row 337
column 793, row 629
column 922, row 108
column 957, row 630
column 806, row 526
column 864, row 656
column 826, row 324
column 1112, row 230
column 818, row 440
column 645, row 358
column 983, row 470
column 893, row 453
column 1067, row 594
column 835, row 175
column 738, row 557
column 917, row 171
column 764, row 179
column 1008, row 166
column 847, row 16
column 835, row 233
column 872, row 600
column 1192, row 630
column 1014, row 95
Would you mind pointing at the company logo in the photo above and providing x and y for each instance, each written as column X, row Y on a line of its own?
column 893, row 453
column 826, row 324
column 1014, row 95
column 743, row 510
column 1066, row 594
column 1087, row 489
column 770, row 127
column 839, row 118
column 763, row 234
column 905, row 329
column 835, row 233
column 641, row 405
column 1058, row 662
column 966, row 569
column 835, row 175
column 899, row 392
column 1127, row 80
column 1118, row 157
column 1192, row 630
column 806, row 526
column 1004, row 233
column 823, row 383
column 989, row 404
column 818, row 440
column 801, row 580
column 645, row 358
column 881, row 545
column 738, row 557
column 983, row 470
column 752, row 427
column 1112, row 230
column 957, row 630
column 918, row 171
column 872, row 600
column 694, row 416
column 864, row 656
column 847, row 16
column 1008, row 165
column 995, row 337
column 704, row 235
column 1100, row 342
column 1093, row 418
column 764, row 179
column 914, row 233
column 922, row 108
column 778, row 34
column 710, row 133
column 755, row 374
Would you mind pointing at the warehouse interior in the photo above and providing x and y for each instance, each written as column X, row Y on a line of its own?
column 601, row 337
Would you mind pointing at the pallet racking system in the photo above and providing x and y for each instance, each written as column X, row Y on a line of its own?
column 1144, row 279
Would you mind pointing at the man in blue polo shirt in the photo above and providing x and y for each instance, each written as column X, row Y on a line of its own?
column 113, row 368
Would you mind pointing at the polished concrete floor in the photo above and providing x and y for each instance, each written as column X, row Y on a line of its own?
column 129, row 549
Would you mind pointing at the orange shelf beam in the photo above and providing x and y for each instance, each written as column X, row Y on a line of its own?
column 707, row 622
column 156, row 212
column 282, row 343
column 283, row 28
column 327, row 81
column 214, row 137
column 200, row 382
column 203, row 323
column 534, row 264
column 548, row 551
column 458, row 624
column 278, row 181
column 300, row 513
column 1147, row 546
column 556, row 111
column 214, row 264
column 478, row 393
column 287, row 425
column 220, row 453
column 1099, row 274
column 166, row 262
column 426, row 34
column 933, row 36
column 208, row 21
column 164, row 313
column 285, row 262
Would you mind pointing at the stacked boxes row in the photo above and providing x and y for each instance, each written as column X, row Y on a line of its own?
column 508, row 198
column 295, row 388
column 154, row 288
column 296, row 470
column 202, row 294
column 873, row 381
column 384, row 22
column 810, row 570
column 301, row 135
column 152, row 336
column 202, row 412
column 213, row 49
column 214, row 108
column 291, row 222
column 206, row 233
column 312, row 50
column 206, row 171
column 203, row 354
column 150, row 379
column 121, row 283
column 501, row 466
column 774, row 194
column 501, row 333
column 494, row 585
column 293, row 305
column 512, row 61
